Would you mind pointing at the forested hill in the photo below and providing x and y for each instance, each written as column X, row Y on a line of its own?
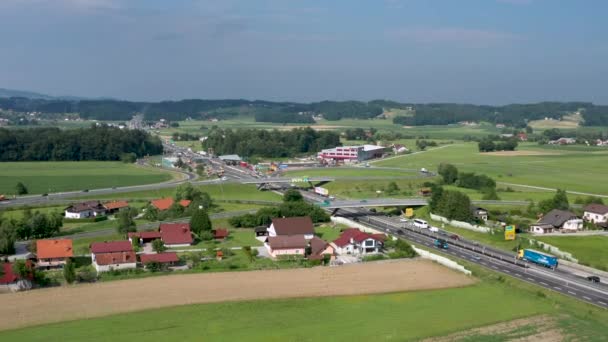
column 290, row 112
column 95, row 143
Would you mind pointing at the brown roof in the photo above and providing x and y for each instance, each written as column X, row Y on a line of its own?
column 293, row 225
column 220, row 233
column 175, row 233
column 84, row 206
column 115, row 258
column 317, row 245
column 111, row 247
column 145, row 235
column 116, row 205
column 166, row 203
column 597, row 209
column 160, row 257
column 557, row 217
column 50, row 249
column 287, row 242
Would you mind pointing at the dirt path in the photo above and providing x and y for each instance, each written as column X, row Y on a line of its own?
column 91, row 300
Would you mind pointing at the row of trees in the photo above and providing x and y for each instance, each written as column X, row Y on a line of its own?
column 453, row 205
column 489, row 145
column 275, row 143
column 95, row 143
column 293, row 205
column 451, row 176
column 31, row 225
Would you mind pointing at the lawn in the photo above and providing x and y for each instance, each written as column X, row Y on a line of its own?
column 329, row 232
column 401, row 316
column 81, row 246
column 589, row 250
column 350, row 172
column 558, row 168
column 47, row 177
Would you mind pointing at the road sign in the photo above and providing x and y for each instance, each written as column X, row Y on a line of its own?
column 510, row 233
column 409, row 212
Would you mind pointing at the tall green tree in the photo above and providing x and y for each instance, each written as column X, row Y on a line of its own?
column 448, row 172
column 200, row 222
column 69, row 271
column 126, row 224
column 455, row 205
column 292, row 195
column 560, row 200
column 20, row 189
column 8, row 236
column 158, row 246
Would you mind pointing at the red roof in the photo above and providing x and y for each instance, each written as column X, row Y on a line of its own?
column 115, row 258
column 116, row 205
column 8, row 276
column 287, row 242
column 175, row 233
column 160, row 257
column 51, row 249
column 145, row 235
column 357, row 236
column 166, row 203
column 220, row 233
column 111, row 247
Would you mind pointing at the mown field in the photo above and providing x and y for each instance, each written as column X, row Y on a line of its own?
column 47, row 177
column 534, row 166
column 589, row 250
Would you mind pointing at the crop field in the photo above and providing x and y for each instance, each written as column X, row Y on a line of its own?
column 351, row 172
column 552, row 169
column 589, row 250
column 46, row 177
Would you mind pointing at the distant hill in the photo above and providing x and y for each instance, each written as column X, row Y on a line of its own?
column 22, row 93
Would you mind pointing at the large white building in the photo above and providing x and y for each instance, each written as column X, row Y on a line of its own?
column 352, row 153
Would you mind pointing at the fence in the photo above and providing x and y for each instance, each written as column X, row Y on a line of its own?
column 441, row 260
column 460, row 224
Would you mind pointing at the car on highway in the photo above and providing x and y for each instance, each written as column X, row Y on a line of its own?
column 455, row 237
column 85, row 190
column 44, row 195
column 434, row 229
column 403, row 219
column 418, row 223
column 593, row 279
column 363, row 201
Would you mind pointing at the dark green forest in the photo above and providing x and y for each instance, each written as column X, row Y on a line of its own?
column 290, row 112
column 266, row 143
column 95, row 143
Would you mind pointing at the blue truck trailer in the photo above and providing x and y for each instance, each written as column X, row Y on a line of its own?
column 538, row 258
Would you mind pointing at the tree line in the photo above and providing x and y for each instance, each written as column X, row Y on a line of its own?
column 468, row 180
column 31, row 225
column 265, row 143
column 94, row 143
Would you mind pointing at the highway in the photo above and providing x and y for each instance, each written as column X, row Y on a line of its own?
column 496, row 260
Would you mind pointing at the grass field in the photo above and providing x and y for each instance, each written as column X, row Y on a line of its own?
column 589, row 250
column 401, row 316
column 349, row 172
column 47, row 177
column 552, row 169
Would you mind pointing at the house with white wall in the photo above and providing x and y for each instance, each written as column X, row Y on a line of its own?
column 290, row 226
column 113, row 255
column 557, row 221
column 85, row 210
column 596, row 213
column 294, row 245
column 355, row 242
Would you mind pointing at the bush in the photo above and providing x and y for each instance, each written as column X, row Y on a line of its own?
column 154, row 266
column 86, row 274
column 84, row 220
column 373, row 257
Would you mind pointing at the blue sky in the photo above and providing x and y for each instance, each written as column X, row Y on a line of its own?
column 475, row 51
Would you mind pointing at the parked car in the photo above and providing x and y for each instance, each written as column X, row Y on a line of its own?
column 593, row 279
column 434, row 229
column 85, row 190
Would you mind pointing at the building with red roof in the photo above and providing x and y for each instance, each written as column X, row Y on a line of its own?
column 53, row 253
column 166, row 203
column 289, row 226
column 167, row 258
column 113, row 255
column 285, row 245
column 144, row 237
column 115, row 206
column 220, row 233
column 8, row 276
column 175, row 234
column 354, row 241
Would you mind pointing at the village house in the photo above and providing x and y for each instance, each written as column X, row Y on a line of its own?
column 166, row 203
column 166, row 259
column 319, row 248
column 115, row 206
column 479, row 213
column 113, row 255
column 353, row 241
column 144, row 237
column 563, row 141
column 176, row 234
column 290, row 226
column 557, row 221
column 292, row 245
column 596, row 213
column 220, row 234
column 85, row 210
column 397, row 148
column 522, row 136
column 53, row 253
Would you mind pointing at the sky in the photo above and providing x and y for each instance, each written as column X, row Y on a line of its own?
column 465, row 51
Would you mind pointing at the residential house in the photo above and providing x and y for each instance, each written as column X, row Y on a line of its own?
column 165, row 259
column 557, row 221
column 596, row 213
column 53, row 253
column 115, row 206
column 144, row 237
column 479, row 213
column 113, row 255
column 176, row 234
column 220, row 234
column 293, row 245
column 7, row 276
column 425, row 192
column 397, row 148
column 290, row 226
column 353, row 241
column 522, row 136
column 563, row 141
column 166, row 203
column 85, row 210
column 600, row 142
column 319, row 248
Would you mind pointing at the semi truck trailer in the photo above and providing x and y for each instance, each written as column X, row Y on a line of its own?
column 538, row 258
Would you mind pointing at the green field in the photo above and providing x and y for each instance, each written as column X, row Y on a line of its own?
column 401, row 316
column 47, row 177
column 589, row 250
column 559, row 168
column 349, row 172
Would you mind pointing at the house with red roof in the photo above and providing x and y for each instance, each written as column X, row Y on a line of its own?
column 166, row 203
column 53, row 253
column 220, row 233
column 84, row 210
column 8, row 276
column 113, row 255
column 176, row 234
column 319, row 248
column 289, row 226
column 9, row 280
column 165, row 259
column 353, row 241
column 284, row 245
column 115, row 206
column 144, row 237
